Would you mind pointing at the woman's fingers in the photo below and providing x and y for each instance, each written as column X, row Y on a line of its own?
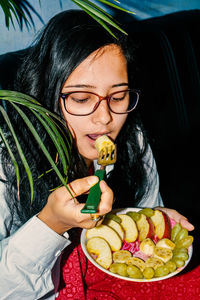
column 81, row 186
column 173, row 214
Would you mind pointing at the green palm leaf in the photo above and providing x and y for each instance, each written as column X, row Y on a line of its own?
column 50, row 121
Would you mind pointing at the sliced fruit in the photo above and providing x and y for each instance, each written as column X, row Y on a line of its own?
column 183, row 233
column 175, row 230
column 153, row 262
column 164, row 254
column 134, row 215
column 148, row 273
column 99, row 248
column 121, row 256
column 147, row 247
column 106, row 233
column 116, row 226
column 145, row 227
column 138, row 262
column 162, row 224
column 134, row 272
column 165, row 243
column 113, row 217
column 149, row 212
column 119, row 268
column 129, row 227
column 161, row 271
column 185, row 243
column 171, row 266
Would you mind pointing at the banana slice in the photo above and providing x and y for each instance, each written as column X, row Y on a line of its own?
column 164, row 254
column 165, row 243
column 147, row 247
column 102, row 142
column 138, row 262
column 121, row 256
column 153, row 262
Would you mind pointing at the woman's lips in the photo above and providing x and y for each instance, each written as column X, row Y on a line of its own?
column 95, row 136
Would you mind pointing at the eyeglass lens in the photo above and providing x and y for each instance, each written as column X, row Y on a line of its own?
column 84, row 103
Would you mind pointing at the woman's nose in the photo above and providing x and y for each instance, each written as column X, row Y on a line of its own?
column 102, row 113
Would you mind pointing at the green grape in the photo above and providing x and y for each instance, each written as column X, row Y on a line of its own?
column 179, row 262
column 149, row 212
column 113, row 217
column 148, row 273
column 171, row 265
column 113, row 268
column 180, row 250
column 161, row 271
column 134, row 215
column 182, row 256
column 134, row 272
column 183, row 233
column 175, row 230
column 122, row 269
column 185, row 243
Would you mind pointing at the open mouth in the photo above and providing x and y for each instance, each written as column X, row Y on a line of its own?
column 94, row 136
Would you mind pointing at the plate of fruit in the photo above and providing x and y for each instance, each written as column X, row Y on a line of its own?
column 139, row 245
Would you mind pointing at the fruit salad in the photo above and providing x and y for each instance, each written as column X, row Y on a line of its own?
column 143, row 245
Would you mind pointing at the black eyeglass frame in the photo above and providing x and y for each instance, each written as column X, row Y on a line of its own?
column 64, row 95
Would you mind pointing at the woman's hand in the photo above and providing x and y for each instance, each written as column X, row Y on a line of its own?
column 173, row 214
column 63, row 212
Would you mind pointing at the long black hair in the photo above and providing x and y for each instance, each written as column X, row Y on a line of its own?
column 68, row 39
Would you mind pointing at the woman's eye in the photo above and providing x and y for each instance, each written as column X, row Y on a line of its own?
column 80, row 100
column 119, row 97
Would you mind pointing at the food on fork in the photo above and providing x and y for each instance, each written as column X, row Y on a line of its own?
column 102, row 142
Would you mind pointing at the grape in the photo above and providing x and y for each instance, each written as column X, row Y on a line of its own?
column 183, row 233
column 161, row 271
column 180, row 250
column 113, row 217
column 134, row 272
column 149, row 212
column 119, row 268
column 182, row 256
column 185, row 243
column 171, row 265
column 179, row 262
column 134, row 215
column 175, row 230
column 148, row 273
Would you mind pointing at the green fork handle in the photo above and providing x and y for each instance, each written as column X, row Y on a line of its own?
column 94, row 196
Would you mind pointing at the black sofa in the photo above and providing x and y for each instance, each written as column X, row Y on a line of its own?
column 169, row 78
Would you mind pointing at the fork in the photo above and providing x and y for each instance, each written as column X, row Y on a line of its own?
column 107, row 156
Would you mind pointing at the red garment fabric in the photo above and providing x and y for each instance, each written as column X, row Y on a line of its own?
column 83, row 281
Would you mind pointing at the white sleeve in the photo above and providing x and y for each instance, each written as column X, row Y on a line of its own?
column 152, row 198
column 27, row 257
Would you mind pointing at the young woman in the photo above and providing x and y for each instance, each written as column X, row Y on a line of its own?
column 78, row 70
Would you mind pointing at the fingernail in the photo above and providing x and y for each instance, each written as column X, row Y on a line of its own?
column 93, row 180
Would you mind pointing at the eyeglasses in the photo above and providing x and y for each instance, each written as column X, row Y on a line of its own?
column 83, row 103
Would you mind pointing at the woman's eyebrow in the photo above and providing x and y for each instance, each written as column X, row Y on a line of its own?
column 79, row 86
column 120, row 84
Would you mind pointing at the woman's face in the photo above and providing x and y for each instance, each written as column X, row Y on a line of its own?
column 103, row 73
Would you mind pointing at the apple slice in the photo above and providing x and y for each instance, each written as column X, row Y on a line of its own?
column 147, row 247
column 129, row 227
column 116, row 226
column 106, row 233
column 100, row 251
column 162, row 224
column 145, row 227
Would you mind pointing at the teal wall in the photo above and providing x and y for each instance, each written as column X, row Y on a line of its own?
column 14, row 39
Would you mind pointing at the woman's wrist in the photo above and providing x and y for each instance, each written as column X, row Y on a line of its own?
column 51, row 221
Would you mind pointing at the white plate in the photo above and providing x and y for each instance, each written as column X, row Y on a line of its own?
column 123, row 211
